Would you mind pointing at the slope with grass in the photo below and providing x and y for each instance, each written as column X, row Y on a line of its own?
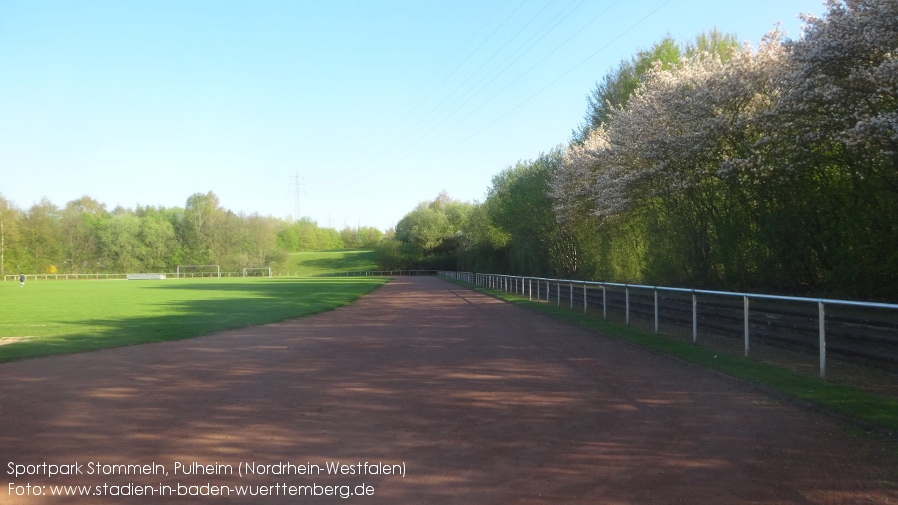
column 311, row 263
column 57, row 317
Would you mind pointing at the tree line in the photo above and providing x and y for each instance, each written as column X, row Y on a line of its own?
column 706, row 164
column 85, row 237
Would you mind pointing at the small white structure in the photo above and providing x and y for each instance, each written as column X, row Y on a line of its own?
column 257, row 272
column 144, row 277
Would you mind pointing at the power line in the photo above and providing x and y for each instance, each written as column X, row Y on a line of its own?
column 422, row 145
column 544, row 88
column 446, row 78
column 424, row 118
column 547, row 86
column 544, row 58
column 518, row 78
column 566, row 11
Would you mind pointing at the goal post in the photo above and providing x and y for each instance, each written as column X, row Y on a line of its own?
column 257, row 272
column 197, row 271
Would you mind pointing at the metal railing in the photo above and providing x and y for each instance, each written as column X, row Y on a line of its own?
column 184, row 275
column 57, row 277
column 541, row 289
column 377, row 273
column 170, row 275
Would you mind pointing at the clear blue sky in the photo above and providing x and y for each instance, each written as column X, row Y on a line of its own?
column 375, row 105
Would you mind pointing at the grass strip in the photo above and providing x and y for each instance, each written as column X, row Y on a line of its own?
column 61, row 317
column 870, row 411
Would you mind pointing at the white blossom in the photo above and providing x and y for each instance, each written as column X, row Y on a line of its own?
column 764, row 115
column 681, row 127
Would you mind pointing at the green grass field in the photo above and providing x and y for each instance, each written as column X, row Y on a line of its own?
column 55, row 317
column 325, row 262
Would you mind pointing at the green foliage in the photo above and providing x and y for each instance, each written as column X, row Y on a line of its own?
column 306, row 235
column 712, row 42
column 518, row 204
column 616, row 249
column 485, row 247
column 159, row 239
column 361, row 237
column 85, row 237
column 392, row 254
column 203, row 221
column 118, row 238
column 56, row 317
column 426, row 227
column 12, row 251
column 435, row 228
column 38, row 232
column 80, row 221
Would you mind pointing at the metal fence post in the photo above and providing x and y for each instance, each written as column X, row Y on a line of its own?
column 584, row 298
column 627, row 304
column 822, row 316
column 694, row 318
column 656, row 311
column 604, row 304
column 745, row 316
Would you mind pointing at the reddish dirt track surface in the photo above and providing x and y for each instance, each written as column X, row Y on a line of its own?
column 482, row 402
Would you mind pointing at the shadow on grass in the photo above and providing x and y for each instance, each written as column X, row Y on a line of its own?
column 340, row 262
column 242, row 304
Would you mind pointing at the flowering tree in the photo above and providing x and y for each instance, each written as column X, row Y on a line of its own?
column 670, row 156
column 840, row 98
column 616, row 87
column 832, row 138
column 756, row 169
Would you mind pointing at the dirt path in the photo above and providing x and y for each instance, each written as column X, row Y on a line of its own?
column 480, row 401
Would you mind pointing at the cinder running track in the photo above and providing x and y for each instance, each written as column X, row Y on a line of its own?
column 481, row 401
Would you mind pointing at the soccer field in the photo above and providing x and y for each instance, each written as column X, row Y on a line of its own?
column 55, row 317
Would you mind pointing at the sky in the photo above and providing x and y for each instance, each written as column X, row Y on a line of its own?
column 348, row 112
